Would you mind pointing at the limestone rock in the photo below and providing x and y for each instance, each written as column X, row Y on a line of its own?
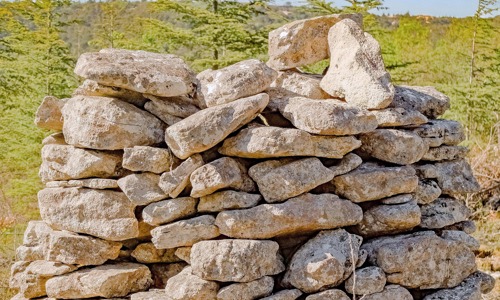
column 175, row 181
column 159, row 110
column 456, row 177
column 394, row 146
column 399, row 116
column 91, row 183
column 295, row 216
column 146, row 253
column 201, row 131
column 324, row 261
column 399, row 199
column 327, row 117
column 425, row 99
column 426, row 191
column 148, row 159
column 64, row 162
column 332, row 294
column 164, row 75
column 441, row 132
column 227, row 200
column 421, row 260
column 371, row 182
column 185, row 232
column 284, row 295
column 243, row 79
column 93, row 88
column 247, row 291
column 444, row 212
column 149, row 295
column 221, row 173
column 109, row 124
column 48, row 115
column 180, row 107
column 366, row 281
column 303, row 42
column 162, row 272
column 391, row 292
column 236, row 260
column 357, row 72
column 184, row 253
column 445, row 153
column 107, row 281
column 102, row 213
column 389, row 219
column 169, row 210
column 142, row 188
column 186, row 286
column 279, row 180
column 462, row 237
column 300, row 84
column 468, row 226
column 54, row 139
column 470, row 289
column 348, row 163
column 265, row 142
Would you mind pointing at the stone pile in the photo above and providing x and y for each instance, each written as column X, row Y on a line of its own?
column 255, row 181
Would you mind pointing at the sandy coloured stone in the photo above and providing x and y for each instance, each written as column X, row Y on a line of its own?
column 64, row 162
column 427, row 191
column 48, row 115
column 152, row 294
column 284, row 295
column 425, row 99
column 175, row 181
column 327, row 117
column 162, row 272
column 93, row 88
column 399, row 199
column 390, row 117
column 470, row 289
column 372, row 182
column 221, row 173
column 242, row 79
column 109, row 124
column 102, row 213
column 142, row 188
column 300, row 84
column 266, row 142
column 227, row 200
column 391, row 292
column 186, row 286
column 421, row 260
column 357, row 72
column 159, row 111
column 54, row 139
column 148, row 159
column 163, row 75
column 202, row 130
column 444, row 212
column 441, row 132
column 180, row 107
column 445, row 153
column 366, row 281
column 348, row 163
column 323, row 262
column 169, row 210
column 462, row 237
column 295, row 216
column 332, row 294
column 456, row 176
column 185, row 233
column 303, row 42
column 146, row 253
column 236, row 260
column 91, row 183
column 184, row 253
column 279, row 180
column 247, row 291
column 107, row 281
column 394, row 146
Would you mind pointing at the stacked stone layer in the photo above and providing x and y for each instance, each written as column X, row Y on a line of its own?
column 251, row 182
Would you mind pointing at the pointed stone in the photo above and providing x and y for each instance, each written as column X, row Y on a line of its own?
column 175, row 181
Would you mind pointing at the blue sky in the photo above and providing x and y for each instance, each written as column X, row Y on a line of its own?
column 451, row 8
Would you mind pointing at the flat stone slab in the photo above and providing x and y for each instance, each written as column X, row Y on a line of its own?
column 444, row 212
column 227, row 200
column 391, row 117
column 425, row 99
column 169, row 210
column 445, row 153
column 91, row 183
column 441, row 132
column 248, row 290
column 93, row 88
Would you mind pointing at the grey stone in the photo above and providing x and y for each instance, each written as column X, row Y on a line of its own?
column 427, row 191
column 247, row 291
column 142, row 189
column 470, row 289
column 227, row 200
column 284, row 295
column 366, row 281
column 329, row 295
column 169, row 210
column 445, row 153
column 399, row 199
column 391, row 117
column 425, row 99
column 460, row 236
column 444, row 212
column 148, row 159
column 456, row 177
column 441, row 132
column 391, row 292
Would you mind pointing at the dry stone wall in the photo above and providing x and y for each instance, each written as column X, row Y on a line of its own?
column 256, row 181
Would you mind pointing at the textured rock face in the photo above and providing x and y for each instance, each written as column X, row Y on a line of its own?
column 444, row 212
column 441, row 132
column 289, row 217
column 91, row 183
column 357, row 71
column 186, row 286
column 426, row 191
column 144, row 72
column 101, row 213
column 247, row 291
column 227, row 200
column 323, row 261
column 425, row 99
column 460, row 236
column 48, row 115
column 150, row 295
column 236, row 260
column 147, row 253
column 470, row 289
column 327, row 117
column 302, row 42
column 92, row 88
column 456, row 177
column 148, row 159
column 285, row 295
column 161, row 273
column 142, row 188
column 202, row 131
column 445, row 153
column 243, row 79
column 175, row 181
column 398, row 116
column 329, row 294
column 301, row 84
column 169, row 210
column 366, row 281
column 391, row 292
column 266, row 142
column 106, row 281
column 178, row 107
column 109, row 124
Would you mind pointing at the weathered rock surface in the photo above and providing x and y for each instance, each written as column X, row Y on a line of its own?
column 279, row 180
column 175, row 181
column 169, row 210
column 329, row 295
column 300, row 84
column 348, row 163
column 54, row 139
column 64, row 162
column 391, row 292
column 399, row 116
column 162, row 272
column 371, row 182
column 462, row 237
column 441, row 132
column 456, row 177
column 357, row 72
column 146, row 253
column 303, row 42
column 48, row 115
column 109, row 124
column 399, row 199
column 221, row 173
column 202, row 131
column 227, row 200
column 394, row 146
column 186, row 286
column 91, row 183
column 142, row 188
column 149, row 295
column 265, row 142
column 468, row 227
column 247, row 291
column 180, row 107
column 184, row 253
column 445, row 153
column 236, row 260
column 421, row 260
column 160, row 110
column 164, row 75
column 148, row 159
column 93, row 88
column 102, row 213
column 366, row 281
column 185, row 232
column 470, row 289
column 444, row 212
column 289, row 217
column 324, row 261
column 284, row 295
column 426, row 191
column 107, row 281
column 425, row 99
column 327, row 117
